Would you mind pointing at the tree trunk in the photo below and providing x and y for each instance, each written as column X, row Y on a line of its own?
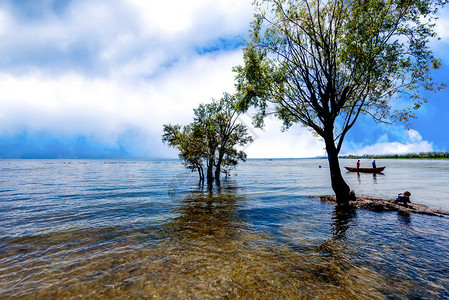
column 218, row 167
column 341, row 189
column 210, row 171
column 201, row 173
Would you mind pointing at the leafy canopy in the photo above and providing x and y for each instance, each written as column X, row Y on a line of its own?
column 323, row 63
column 211, row 140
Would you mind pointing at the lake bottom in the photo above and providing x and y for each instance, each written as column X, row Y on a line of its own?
column 94, row 230
column 206, row 251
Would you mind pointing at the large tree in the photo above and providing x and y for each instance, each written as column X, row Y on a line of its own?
column 211, row 140
column 323, row 63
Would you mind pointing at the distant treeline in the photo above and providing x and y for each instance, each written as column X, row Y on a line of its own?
column 422, row 155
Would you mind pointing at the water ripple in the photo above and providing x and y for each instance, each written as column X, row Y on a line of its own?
column 91, row 229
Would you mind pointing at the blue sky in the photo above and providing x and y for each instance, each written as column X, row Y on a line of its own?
column 90, row 78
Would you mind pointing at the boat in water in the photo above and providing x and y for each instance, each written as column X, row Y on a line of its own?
column 366, row 170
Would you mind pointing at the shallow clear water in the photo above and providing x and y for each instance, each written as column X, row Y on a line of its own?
column 144, row 229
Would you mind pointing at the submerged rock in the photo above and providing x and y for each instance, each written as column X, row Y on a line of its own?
column 379, row 205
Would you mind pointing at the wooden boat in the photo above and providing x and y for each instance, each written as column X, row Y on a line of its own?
column 366, row 170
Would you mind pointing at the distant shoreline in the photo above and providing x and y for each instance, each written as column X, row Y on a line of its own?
column 422, row 155
column 426, row 155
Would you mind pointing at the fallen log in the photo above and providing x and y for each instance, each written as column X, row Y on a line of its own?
column 380, row 205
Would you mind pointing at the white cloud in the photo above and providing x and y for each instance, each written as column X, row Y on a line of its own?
column 151, row 71
column 104, row 109
column 116, row 35
column 5, row 21
column 130, row 66
column 203, row 17
column 159, row 16
column 440, row 47
column 412, row 143
column 270, row 142
column 442, row 24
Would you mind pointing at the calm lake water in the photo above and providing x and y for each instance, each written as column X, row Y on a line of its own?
column 144, row 229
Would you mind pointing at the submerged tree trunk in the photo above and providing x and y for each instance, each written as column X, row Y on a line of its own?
column 210, row 171
column 340, row 187
column 201, row 173
column 218, row 167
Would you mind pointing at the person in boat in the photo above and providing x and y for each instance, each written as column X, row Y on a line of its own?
column 374, row 164
column 358, row 164
column 404, row 198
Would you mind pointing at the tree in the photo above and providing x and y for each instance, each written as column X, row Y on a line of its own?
column 324, row 63
column 230, row 133
column 211, row 139
column 189, row 140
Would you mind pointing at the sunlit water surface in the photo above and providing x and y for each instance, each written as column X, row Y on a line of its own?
column 144, row 229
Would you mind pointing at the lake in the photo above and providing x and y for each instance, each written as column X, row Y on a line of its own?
column 145, row 229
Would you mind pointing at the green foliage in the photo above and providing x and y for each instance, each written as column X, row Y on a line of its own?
column 189, row 141
column 422, row 155
column 211, row 140
column 323, row 63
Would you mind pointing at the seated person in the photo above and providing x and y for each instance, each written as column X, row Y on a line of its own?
column 404, row 198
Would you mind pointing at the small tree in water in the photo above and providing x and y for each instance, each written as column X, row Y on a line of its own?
column 189, row 141
column 324, row 63
column 211, row 140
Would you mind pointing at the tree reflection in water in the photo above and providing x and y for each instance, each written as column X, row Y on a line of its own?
column 207, row 249
column 211, row 215
column 336, row 264
column 211, row 252
column 404, row 218
column 342, row 220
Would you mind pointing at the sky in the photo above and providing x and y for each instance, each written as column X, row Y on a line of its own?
column 97, row 79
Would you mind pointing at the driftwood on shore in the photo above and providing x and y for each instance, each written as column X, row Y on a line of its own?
column 379, row 205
